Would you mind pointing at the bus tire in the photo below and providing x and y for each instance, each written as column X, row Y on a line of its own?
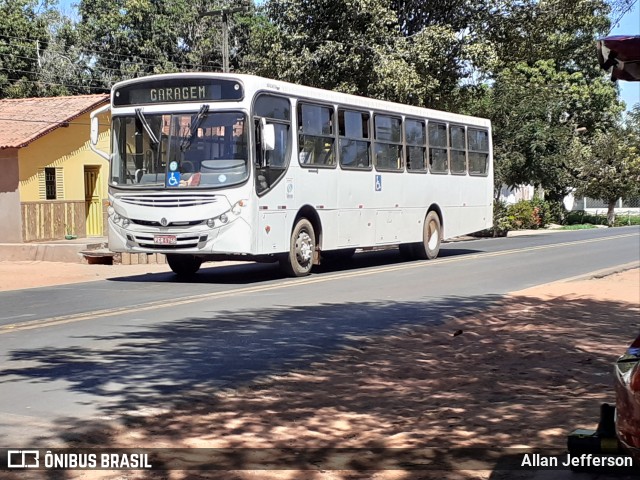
column 431, row 238
column 183, row 265
column 299, row 260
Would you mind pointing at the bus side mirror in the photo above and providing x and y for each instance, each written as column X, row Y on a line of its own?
column 94, row 134
column 268, row 135
column 95, row 130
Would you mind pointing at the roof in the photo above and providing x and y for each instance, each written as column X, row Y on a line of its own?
column 24, row 120
column 621, row 54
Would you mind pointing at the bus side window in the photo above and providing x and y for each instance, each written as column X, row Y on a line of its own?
column 388, row 143
column 354, row 143
column 416, row 140
column 478, row 141
column 438, row 148
column 458, row 149
column 316, row 137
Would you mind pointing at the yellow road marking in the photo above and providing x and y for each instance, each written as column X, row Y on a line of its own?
column 64, row 319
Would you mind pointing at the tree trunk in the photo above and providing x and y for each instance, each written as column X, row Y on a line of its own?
column 611, row 213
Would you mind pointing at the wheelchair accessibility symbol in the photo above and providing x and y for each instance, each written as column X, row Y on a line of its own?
column 173, row 179
column 378, row 183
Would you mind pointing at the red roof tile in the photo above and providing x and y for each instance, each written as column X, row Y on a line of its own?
column 24, row 120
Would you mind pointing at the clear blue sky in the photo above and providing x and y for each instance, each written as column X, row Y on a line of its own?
column 628, row 25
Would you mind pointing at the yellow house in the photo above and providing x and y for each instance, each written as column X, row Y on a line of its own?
column 52, row 184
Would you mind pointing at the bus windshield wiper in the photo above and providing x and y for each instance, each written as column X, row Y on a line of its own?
column 202, row 114
column 147, row 127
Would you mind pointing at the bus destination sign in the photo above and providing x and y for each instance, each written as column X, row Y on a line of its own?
column 177, row 91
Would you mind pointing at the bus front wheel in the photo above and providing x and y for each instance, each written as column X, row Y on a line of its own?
column 431, row 238
column 183, row 265
column 299, row 260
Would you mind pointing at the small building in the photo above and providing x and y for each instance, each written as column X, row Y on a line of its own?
column 51, row 184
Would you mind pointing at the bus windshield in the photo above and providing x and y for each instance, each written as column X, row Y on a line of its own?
column 179, row 150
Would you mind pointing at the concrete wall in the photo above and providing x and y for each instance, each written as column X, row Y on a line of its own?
column 10, row 216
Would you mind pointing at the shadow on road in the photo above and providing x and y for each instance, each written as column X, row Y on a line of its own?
column 375, row 375
column 251, row 273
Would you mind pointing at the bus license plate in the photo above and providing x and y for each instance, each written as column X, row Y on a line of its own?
column 165, row 239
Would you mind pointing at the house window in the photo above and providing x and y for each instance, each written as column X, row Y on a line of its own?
column 50, row 183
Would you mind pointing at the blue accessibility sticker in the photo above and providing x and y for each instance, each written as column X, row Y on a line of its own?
column 173, row 179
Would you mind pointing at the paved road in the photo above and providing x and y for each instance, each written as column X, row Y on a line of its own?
column 102, row 349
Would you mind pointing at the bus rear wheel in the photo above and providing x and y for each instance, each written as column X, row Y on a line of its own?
column 299, row 260
column 183, row 265
column 431, row 238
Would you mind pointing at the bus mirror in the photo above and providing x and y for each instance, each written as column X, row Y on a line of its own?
column 94, row 131
column 268, row 136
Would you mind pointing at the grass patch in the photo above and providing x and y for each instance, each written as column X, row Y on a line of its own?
column 583, row 226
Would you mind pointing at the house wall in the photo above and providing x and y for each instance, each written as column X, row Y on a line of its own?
column 68, row 148
column 10, row 218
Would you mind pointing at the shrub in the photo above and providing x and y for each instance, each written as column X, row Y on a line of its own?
column 581, row 217
column 524, row 215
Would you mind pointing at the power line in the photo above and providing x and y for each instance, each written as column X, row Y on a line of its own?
column 112, row 56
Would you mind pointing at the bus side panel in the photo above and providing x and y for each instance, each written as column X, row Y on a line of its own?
column 317, row 188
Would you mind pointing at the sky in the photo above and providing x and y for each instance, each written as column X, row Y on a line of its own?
column 628, row 25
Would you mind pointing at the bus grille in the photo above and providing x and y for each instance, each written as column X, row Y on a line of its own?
column 166, row 200
column 149, row 223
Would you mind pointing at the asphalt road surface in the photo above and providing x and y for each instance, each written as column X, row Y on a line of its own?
column 100, row 350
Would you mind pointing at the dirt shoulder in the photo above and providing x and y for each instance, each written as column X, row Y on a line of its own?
column 522, row 374
column 33, row 274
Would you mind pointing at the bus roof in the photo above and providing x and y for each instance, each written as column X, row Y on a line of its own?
column 253, row 84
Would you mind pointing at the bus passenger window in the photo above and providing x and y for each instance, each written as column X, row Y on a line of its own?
column 416, row 140
column 354, row 141
column 316, row 136
column 388, row 144
column 478, row 151
column 458, row 150
column 438, row 148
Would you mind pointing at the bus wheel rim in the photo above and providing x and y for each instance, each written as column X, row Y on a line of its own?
column 433, row 235
column 304, row 248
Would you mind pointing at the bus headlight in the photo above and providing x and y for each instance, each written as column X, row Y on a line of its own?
column 211, row 223
column 223, row 218
column 119, row 219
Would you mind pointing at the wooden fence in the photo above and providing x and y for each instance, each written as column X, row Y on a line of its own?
column 52, row 220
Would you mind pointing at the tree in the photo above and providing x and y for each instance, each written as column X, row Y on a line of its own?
column 23, row 34
column 62, row 66
column 535, row 112
column 353, row 46
column 609, row 167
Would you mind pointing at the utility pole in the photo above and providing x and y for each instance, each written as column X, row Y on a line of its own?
column 224, row 14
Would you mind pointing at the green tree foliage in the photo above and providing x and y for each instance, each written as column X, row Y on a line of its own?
column 354, row 46
column 23, row 32
column 131, row 38
column 608, row 168
column 532, row 30
column 535, row 113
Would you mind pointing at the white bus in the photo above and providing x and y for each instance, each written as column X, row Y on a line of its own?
column 207, row 166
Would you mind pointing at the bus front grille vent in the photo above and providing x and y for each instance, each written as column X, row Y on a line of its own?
column 148, row 223
column 166, row 200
